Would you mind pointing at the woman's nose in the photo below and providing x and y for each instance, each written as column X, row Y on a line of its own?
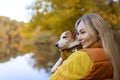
column 79, row 37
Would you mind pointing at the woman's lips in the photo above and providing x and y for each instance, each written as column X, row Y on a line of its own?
column 82, row 43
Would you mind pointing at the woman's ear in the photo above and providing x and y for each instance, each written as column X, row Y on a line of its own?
column 99, row 38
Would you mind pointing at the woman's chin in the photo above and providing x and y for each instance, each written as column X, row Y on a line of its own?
column 84, row 46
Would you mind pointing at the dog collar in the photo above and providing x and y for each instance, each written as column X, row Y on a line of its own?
column 74, row 50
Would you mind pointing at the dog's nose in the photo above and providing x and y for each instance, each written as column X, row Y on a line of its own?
column 56, row 45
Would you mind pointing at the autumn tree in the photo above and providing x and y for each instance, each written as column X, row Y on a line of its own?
column 60, row 15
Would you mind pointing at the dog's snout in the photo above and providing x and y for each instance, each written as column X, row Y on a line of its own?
column 56, row 45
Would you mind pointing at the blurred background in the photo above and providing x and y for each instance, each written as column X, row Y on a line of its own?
column 29, row 30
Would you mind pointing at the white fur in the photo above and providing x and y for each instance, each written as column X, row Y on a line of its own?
column 76, row 42
column 63, row 41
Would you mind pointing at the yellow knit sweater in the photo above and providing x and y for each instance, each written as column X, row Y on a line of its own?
column 75, row 67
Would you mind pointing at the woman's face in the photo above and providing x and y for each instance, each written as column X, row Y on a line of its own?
column 83, row 36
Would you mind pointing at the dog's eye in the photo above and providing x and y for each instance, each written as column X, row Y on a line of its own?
column 64, row 36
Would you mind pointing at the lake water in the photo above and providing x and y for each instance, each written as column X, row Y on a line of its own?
column 21, row 68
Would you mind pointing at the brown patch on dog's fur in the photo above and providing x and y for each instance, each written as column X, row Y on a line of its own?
column 73, row 33
column 67, row 52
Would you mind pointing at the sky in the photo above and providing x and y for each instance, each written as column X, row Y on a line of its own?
column 16, row 9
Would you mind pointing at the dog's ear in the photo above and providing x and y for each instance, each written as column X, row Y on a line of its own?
column 73, row 33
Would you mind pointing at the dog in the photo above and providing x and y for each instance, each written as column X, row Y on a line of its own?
column 67, row 45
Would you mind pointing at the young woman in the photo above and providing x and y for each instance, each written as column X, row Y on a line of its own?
column 99, row 58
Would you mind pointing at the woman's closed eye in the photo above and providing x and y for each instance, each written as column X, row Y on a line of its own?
column 82, row 32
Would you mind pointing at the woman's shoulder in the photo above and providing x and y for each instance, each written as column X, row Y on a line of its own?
column 79, row 55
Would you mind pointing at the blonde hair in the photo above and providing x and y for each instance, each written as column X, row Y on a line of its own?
column 97, row 27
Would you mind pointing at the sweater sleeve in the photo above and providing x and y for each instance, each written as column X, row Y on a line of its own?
column 75, row 67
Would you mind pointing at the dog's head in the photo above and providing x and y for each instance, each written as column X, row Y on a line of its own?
column 68, row 39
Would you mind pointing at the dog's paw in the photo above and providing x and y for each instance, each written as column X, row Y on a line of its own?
column 57, row 64
column 53, row 70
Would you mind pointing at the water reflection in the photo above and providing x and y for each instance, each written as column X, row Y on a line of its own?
column 20, row 68
column 16, row 61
